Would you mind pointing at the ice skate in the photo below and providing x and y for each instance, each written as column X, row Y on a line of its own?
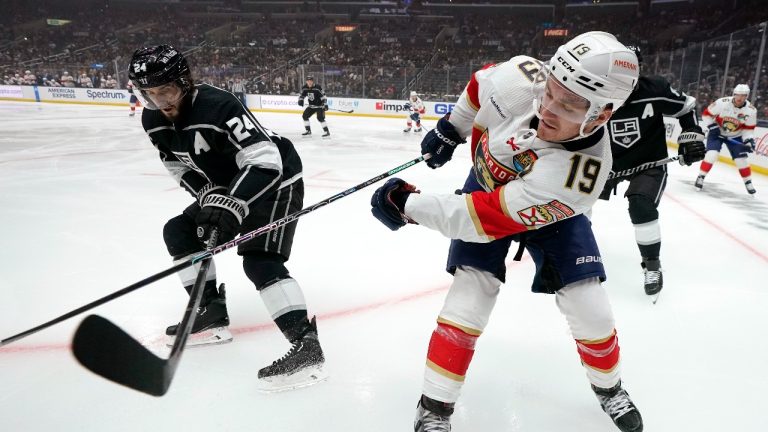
column 617, row 404
column 699, row 182
column 750, row 188
column 131, row 114
column 406, row 130
column 418, row 129
column 307, row 133
column 326, row 134
column 654, row 279
column 432, row 416
column 211, row 323
column 301, row 366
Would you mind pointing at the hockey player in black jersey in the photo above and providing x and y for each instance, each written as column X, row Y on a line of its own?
column 242, row 176
column 316, row 104
column 638, row 135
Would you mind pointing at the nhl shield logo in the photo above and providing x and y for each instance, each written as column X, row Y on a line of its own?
column 625, row 132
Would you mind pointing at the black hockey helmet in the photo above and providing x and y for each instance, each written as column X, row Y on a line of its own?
column 310, row 78
column 158, row 65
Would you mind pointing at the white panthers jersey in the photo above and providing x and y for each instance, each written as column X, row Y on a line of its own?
column 528, row 182
column 733, row 121
column 418, row 106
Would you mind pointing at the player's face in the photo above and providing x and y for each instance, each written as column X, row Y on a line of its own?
column 562, row 112
column 739, row 100
column 167, row 98
column 310, row 83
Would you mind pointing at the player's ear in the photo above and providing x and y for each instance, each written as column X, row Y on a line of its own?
column 604, row 116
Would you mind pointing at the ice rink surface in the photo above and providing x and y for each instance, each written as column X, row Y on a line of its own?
column 83, row 199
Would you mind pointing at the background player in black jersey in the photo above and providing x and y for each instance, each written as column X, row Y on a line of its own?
column 638, row 135
column 316, row 104
column 242, row 176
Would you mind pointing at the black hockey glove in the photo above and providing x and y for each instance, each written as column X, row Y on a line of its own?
column 223, row 212
column 415, row 116
column 691, row 146
column 209, row 189
column 440, row 142
column 301, row 102
column 325, row 107
column 388, row 203
column 749, row 143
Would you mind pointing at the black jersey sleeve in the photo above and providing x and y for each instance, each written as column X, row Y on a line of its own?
column 673, row 103
column 304, row 91
column 254, row 151
column 160, row 131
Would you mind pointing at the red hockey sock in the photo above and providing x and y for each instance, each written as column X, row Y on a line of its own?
column 601, row 355
column 451, row 350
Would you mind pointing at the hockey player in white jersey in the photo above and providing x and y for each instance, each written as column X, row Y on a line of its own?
column 541, row 156
column 731, row 121
column 415, row 109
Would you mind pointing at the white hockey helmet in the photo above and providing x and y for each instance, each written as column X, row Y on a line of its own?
column 596, row 67
column 741, row 89
column 413, row 93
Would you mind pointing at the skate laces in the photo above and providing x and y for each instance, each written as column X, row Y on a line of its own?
column 652, row 276
column 295, row 348
column 432, row 422
column 618, row 404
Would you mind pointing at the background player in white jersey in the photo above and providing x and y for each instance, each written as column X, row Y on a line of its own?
column 415, row 109
column 133, row 99
column 541, row 157
column 731, row 121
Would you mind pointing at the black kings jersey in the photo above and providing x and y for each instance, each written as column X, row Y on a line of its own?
column 315, row 96
column 637, row 130
column 218, row 141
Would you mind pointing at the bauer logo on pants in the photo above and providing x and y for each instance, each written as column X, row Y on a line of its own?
column 625, row 132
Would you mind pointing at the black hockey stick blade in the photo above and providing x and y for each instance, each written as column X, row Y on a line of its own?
column 107, row 350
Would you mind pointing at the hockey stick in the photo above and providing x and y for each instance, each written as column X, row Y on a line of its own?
column 107, row 350
column 641, row 167
column 343, row 111
column 197, row 258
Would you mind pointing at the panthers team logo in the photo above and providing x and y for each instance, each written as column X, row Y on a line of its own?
column 731, row 124
column 625, row 132
column 491, row 173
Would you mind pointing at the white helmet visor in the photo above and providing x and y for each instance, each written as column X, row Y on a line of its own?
column 560, row 101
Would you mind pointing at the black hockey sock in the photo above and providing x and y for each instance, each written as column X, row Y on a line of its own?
column 651, row 250
column 651, row 263
column 294, row 324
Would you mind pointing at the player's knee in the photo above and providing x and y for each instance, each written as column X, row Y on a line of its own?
column 264, row 268
column 180, row 236
column 642, row 209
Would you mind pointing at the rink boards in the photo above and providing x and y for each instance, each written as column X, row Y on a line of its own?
column 386, row 108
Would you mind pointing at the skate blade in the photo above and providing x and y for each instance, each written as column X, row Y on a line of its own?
column 655, row 297
column 304, row 378
column 212, row 336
